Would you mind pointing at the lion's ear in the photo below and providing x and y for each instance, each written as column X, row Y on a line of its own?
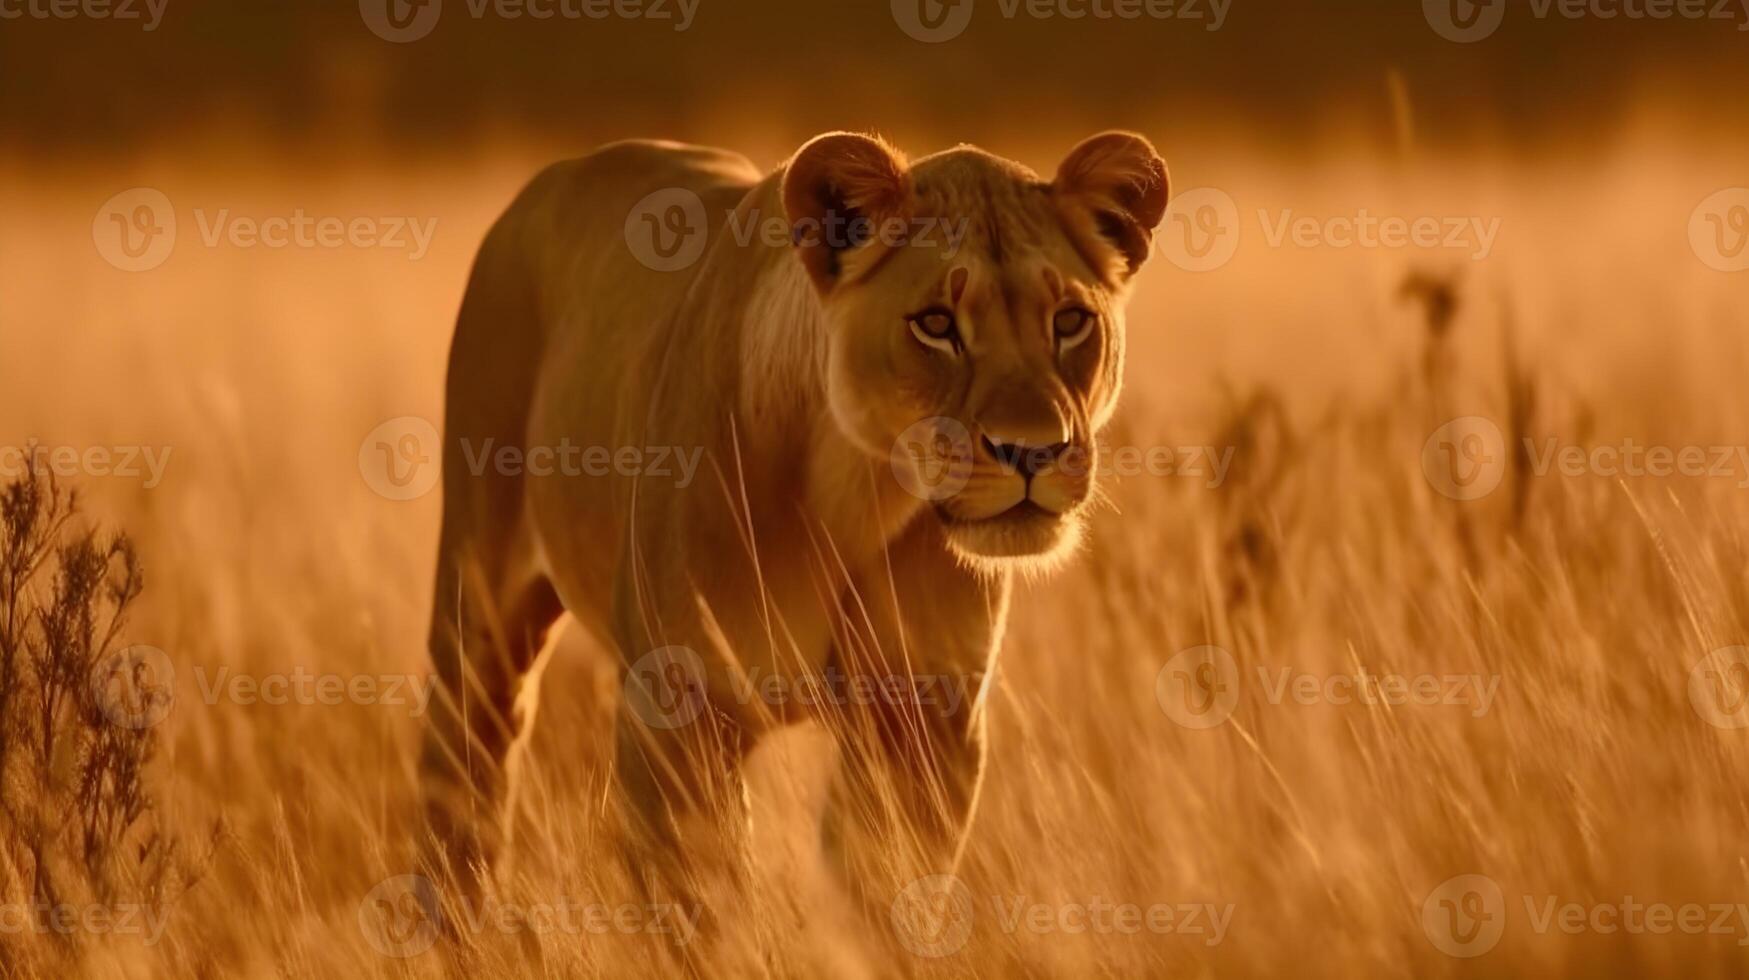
column 837, row 192
column 1112, row 191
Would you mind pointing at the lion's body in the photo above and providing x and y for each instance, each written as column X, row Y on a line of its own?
column 789, row 549
column 613, row 356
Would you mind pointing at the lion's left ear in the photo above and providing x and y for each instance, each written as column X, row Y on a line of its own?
column 837, row 192
column 1112, row 191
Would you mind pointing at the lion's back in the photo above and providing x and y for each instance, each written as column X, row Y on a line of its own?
column 559, row 311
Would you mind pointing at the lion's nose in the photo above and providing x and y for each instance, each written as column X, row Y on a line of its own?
column 1027, row 460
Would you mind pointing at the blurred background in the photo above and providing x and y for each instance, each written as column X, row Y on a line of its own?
column 1594, row 167
column 311, row 78
column 1589, row 139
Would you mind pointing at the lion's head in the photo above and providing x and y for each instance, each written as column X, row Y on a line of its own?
column 975, row 320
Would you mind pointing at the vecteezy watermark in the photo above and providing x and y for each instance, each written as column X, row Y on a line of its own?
column 1363, row 229
column 308, row 688
column 134, row 687
column 667, row 230
column 399, row 458
column 1634, row 460
column 65, row 920
column 1202, row 230
column 568, row 459
column 135, row 231
column 147, row 13
column 403, row 21
column 1718, row 229
column 302, row 230
column 402, row 917
column 933, row 459
column 666, row 689
column 1199, row 688
column 144, row 463
column 1466, row 916
column 1473, row 692
column 1469, row 21
column 944, row 695
column 1466, row 459
column 935, row 21
column 1718, row 687
column 934, row 917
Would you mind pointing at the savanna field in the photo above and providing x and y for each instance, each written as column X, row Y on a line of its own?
column 1472, row 707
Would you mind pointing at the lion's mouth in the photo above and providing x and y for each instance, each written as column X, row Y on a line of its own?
column 1026, row 529
column 1026, row 511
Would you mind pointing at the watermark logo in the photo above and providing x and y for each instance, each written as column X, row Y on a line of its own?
column 1464, row 916
column 65, row 920
column 135, row 687
column 399, row 458
column 932, row 458
column 1464, row 21
column 1632, row 459
column 144, row 463
column 1718, row 230
column 1363, row 229
column 1199, row 687
column 1469, row 21
column 135, row 231
column 1201, row 230
column 932, row 916
column 668, row 229
column 943, row 695
column 933, row 21
column 573, row 460
column 1718, row 687
column 305, row 687
column 150, row 13
column 665, row 688
column 400, row 21
column 301, row 229
column 402, row 917
column 399, row 917
column 403, row 21
column 1465, row 459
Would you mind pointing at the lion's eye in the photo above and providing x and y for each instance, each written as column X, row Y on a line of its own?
column 1072, row 325
column 936, row 328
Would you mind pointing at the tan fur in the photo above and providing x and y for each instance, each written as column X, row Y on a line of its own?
column 794, row 369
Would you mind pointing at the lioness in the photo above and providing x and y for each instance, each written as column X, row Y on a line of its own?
column 893, row 404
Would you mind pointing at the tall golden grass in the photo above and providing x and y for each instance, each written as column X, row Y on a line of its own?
column 1592, row 777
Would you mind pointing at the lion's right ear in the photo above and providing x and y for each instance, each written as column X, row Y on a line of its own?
column 837, row 193
column 1113, row 190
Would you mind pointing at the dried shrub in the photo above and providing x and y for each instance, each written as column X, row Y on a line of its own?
column 77, row 820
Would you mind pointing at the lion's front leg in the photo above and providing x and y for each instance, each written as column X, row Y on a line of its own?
column 911, row 676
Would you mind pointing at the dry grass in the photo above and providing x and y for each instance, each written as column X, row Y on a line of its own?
column 1591, row 777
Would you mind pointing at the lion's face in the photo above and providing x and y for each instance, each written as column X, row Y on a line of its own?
column 975, row 321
